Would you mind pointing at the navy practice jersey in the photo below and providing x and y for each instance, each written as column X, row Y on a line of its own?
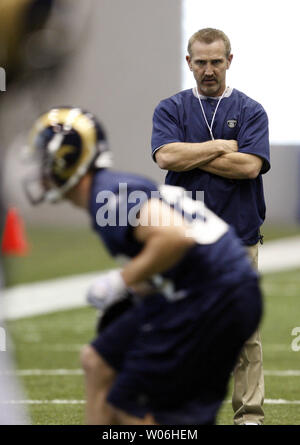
column 218, row 259
column 180, row 119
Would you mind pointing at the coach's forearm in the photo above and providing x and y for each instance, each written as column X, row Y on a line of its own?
column 184, row 156
column 235, row 166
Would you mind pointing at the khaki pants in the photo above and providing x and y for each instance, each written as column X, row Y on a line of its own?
column 248, row 392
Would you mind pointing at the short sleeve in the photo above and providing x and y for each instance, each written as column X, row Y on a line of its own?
column 166, row 125
column 253, row 137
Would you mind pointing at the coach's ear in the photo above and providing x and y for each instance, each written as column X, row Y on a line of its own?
column 229, row 60
column 189, row 62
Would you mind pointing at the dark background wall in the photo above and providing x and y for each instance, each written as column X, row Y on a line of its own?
column 127, row 57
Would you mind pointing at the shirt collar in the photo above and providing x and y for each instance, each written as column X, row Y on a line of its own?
column 227, row 94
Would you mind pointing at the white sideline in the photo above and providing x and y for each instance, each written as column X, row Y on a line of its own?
column 46, row 296
column 282, row 254
column 67, row 293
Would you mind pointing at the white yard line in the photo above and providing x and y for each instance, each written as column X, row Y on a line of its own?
column 287, row 373
column 43, row 402
column 48, row 372
column 81, row 402
column 67, row 293
column 281, row 402
column 78, row 371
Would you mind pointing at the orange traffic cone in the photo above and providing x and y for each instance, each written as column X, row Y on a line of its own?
column 14, row 241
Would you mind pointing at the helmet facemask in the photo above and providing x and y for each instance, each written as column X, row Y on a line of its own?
column 63, row 152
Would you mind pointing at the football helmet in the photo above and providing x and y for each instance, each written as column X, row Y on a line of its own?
column 64, row 144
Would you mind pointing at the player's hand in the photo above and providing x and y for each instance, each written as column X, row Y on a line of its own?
column 107, row 290
column 228, row 146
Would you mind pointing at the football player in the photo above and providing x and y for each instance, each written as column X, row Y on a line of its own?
column 167, row 358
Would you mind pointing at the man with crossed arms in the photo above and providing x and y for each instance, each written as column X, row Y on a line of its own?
column 214, row 138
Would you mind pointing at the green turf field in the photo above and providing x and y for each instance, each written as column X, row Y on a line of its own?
column 57, row 252
column 52, row 341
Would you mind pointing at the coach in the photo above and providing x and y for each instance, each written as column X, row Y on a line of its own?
column 215, row 139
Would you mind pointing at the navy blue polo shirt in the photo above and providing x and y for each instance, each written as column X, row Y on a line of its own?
column 240, row 202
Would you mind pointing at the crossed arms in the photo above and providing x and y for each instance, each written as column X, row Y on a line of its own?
column 220, row 157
